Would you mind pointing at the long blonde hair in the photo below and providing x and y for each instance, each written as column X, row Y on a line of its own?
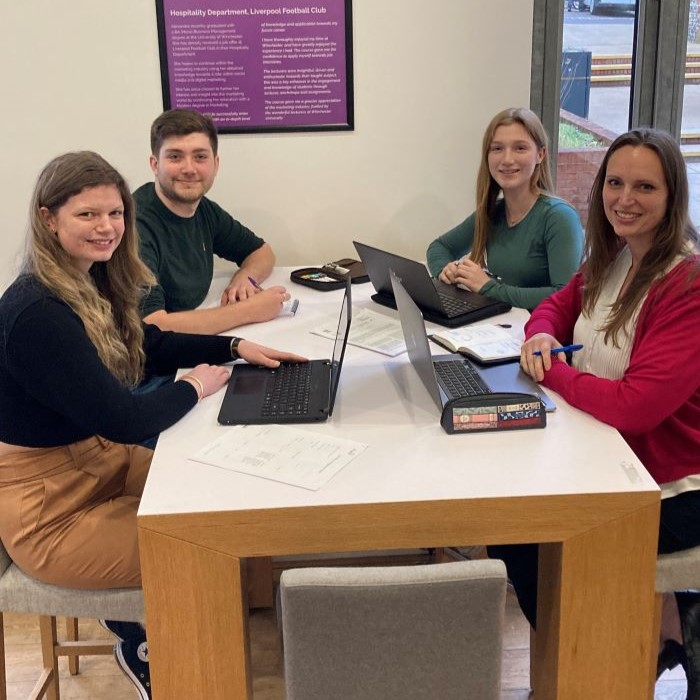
column 602, row 244
column 488, row 190
column 107, row 299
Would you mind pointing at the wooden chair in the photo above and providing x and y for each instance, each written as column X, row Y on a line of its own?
column 20, row 593
column 394, row 633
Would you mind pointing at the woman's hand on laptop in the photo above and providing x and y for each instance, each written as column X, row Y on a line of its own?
column 448, row 273
column 206, row 379
column 267, row 357
column 470, row 275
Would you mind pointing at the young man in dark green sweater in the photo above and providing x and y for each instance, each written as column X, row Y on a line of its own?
column 181, row 230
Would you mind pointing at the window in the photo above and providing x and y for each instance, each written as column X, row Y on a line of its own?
column 690, row 123
column 640, row 74
column 595, row 92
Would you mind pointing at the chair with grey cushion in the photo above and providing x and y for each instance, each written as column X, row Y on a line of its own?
column 394, row 633
column 677, row 571
column 20, row 593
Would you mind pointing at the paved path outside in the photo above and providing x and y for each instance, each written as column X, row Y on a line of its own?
column 609, row 106
column 603, row 34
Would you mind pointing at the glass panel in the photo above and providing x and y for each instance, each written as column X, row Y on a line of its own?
column 595, row 90
column 690, row 124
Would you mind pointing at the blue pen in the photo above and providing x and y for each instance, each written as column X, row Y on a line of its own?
column 564, row 348
column 254, row 283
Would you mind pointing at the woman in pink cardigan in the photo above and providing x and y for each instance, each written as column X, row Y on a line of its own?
column 635, row 308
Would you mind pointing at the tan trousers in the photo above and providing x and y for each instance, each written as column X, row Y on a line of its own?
column 68, row 514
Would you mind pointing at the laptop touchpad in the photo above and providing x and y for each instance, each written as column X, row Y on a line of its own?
column 249, row 384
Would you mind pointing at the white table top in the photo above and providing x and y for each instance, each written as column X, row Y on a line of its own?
column 409, row 457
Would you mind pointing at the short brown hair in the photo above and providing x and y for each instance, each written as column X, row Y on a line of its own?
column 182, row 122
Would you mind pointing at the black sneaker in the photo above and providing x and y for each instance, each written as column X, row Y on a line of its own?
column 124, row 630
column 132, row 657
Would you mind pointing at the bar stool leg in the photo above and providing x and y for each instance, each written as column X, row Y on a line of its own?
column 73, row 635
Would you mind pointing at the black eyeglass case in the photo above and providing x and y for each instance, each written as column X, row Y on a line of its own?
column 331, row 275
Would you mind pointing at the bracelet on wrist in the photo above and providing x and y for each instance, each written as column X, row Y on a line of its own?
column 234, row 347
column 196, row 383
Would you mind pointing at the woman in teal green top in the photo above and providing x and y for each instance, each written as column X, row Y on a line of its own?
column 521, row 246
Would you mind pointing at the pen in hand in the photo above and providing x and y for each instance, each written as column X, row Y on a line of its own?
column 563, row 348
column 290, row 305
column 254, row 283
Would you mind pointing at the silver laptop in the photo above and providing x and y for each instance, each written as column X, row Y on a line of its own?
column 453, row 376
column 291, row 393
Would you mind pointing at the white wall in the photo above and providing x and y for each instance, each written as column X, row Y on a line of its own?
column 428, row 76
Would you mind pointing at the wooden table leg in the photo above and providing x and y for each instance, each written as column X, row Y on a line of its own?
column 260, row 582
column 595, row 612
column 197, row 622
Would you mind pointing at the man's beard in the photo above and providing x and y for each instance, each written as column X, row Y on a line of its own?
column 188, row 197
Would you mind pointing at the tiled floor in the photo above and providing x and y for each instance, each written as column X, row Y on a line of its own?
column 100, row 679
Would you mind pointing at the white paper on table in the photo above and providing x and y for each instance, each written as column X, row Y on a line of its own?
column 371, row 331
column 278, row 452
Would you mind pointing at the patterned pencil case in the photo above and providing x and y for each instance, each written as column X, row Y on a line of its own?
column 490, row 412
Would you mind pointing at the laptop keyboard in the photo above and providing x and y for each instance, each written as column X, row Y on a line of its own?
column 455, row 307
column 459, row 379
column 287, row 391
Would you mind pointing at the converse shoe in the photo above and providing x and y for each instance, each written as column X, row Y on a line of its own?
column 132, row 657
column 670, row 656
column 124, row 630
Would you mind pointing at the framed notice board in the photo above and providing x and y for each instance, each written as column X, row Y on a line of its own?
column 259, row 65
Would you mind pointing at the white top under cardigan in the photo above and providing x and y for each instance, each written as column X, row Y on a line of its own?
column 609, row 362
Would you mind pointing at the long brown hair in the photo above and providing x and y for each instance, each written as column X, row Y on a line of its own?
column 107, row 299
column 488, row 190
column 602, row 244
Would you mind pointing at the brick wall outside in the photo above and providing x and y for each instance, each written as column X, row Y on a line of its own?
column 576, row 169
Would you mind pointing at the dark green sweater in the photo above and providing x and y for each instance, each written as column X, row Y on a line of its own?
column 534, row 258
column 180, row 251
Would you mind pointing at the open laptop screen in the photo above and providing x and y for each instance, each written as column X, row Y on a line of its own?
column 341, row 341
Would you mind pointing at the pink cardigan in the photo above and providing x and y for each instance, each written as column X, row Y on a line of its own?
column 656, row 404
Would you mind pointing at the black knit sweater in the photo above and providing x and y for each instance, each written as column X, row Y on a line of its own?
column 55, row 390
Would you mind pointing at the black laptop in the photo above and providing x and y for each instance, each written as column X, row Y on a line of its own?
column 454, row 376
column 444, row 304
column 291, row 393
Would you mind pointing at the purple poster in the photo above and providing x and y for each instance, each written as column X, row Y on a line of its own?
column 259, row 65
